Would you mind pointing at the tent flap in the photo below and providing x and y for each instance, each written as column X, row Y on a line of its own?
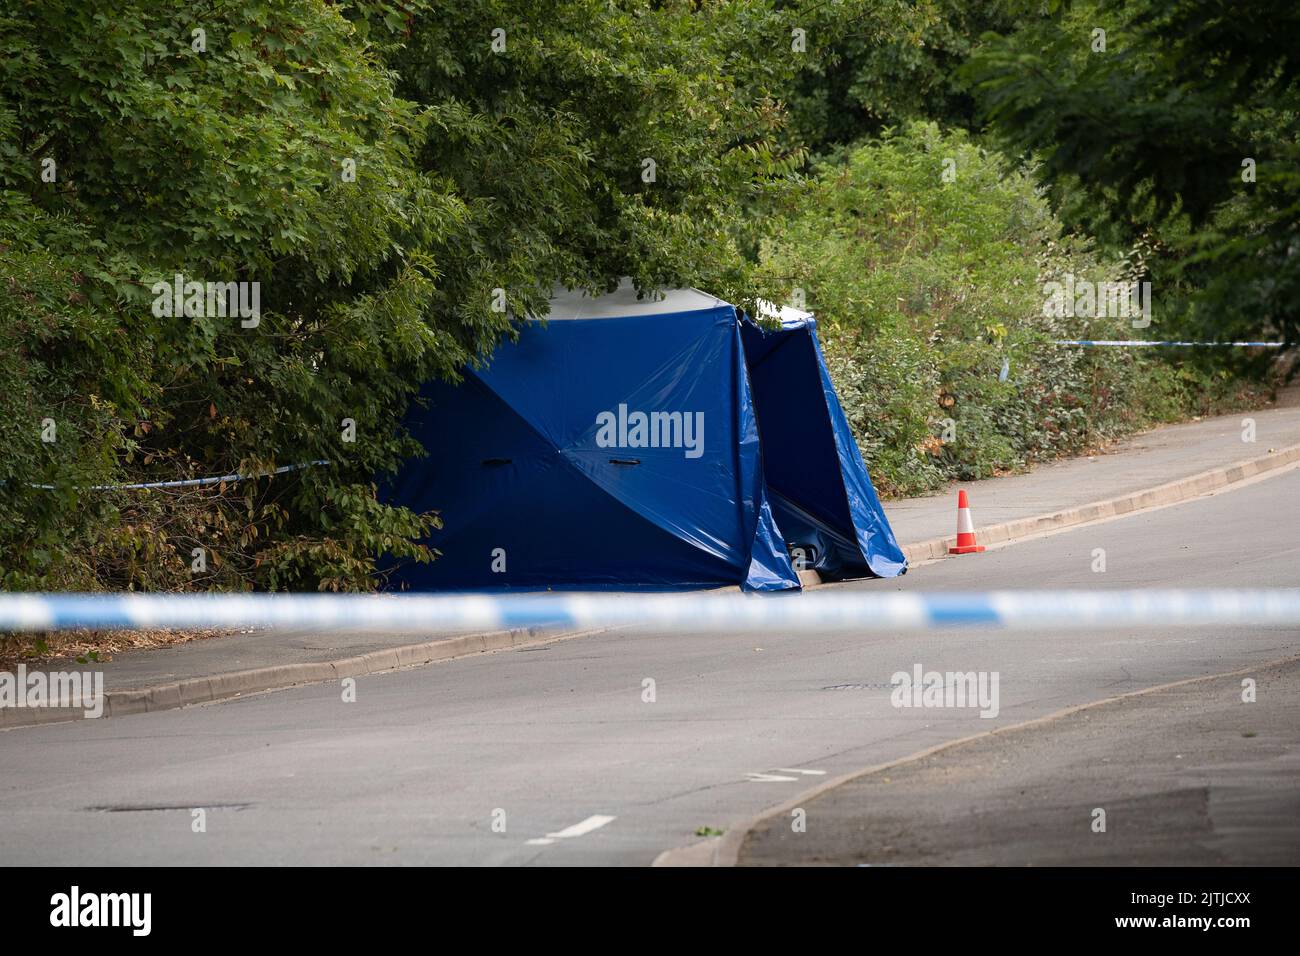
column 821, row 494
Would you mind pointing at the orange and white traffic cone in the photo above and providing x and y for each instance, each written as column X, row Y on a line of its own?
column 965, row 529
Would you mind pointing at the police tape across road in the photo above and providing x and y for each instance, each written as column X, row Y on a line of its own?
column 823, row 610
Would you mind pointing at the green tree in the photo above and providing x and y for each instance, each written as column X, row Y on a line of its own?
column 1171, row 125
column 157, row 139
column 592, row 140
column 897, row 65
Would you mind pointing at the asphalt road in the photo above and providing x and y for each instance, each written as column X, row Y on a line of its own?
column 555, row 740
column 1203, row 778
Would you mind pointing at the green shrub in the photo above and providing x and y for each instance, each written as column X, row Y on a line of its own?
column 925, row 287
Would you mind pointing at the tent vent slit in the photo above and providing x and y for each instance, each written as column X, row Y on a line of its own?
column 625, row 461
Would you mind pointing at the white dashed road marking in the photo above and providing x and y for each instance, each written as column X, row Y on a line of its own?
column 594, row 822
column 779, row 775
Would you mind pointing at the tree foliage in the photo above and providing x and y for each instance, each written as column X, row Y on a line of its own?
column 132, row 149
column 898, row 66
column 1172, row 124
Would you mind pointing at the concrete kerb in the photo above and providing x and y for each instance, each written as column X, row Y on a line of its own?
column 1173, row 492
column 202, row 690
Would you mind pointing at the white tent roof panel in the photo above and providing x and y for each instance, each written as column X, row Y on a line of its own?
column 623, row 303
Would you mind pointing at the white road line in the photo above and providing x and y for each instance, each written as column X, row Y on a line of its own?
column 540, row 841
column 581, row 829
column 808, row 773
column 768, row 778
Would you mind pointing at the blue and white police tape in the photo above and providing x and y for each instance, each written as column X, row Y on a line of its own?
column 716, row 611
column 194, row 482
column 1148, row 342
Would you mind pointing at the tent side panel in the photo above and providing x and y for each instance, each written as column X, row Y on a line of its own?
column 819, row 487
column 664, row 387
column 518, row 514
column 769, row 561
column 875, row 536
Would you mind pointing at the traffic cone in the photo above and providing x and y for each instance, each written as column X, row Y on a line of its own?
column 965, row 528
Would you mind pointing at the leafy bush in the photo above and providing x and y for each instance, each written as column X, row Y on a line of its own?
column 924, row 288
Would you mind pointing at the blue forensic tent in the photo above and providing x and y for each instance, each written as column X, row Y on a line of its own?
column 627, row 443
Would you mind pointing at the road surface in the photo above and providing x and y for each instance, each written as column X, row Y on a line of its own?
column 1186, row 775
column 552, row 755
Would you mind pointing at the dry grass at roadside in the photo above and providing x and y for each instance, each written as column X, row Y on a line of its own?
column 82, row 646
